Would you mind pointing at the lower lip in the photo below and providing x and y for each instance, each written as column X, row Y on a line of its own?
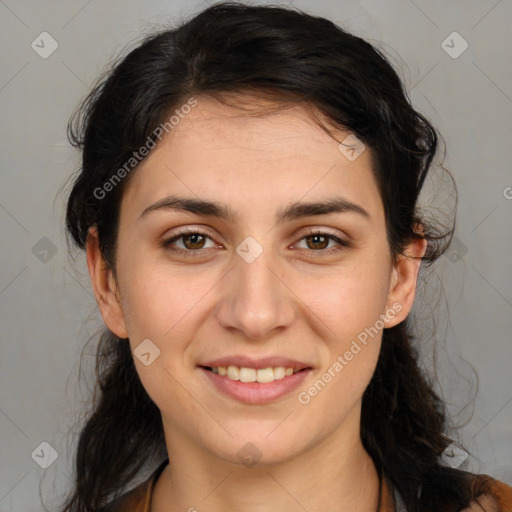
column 256, row 392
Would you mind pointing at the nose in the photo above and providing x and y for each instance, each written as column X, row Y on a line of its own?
column 256, row 301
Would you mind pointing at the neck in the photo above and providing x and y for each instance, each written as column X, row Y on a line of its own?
column 336, row 475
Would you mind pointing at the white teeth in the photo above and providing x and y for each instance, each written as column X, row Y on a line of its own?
column 279, row 372
column 247, row 374
column 262, row 375
column 265, row 375
column 233, row 373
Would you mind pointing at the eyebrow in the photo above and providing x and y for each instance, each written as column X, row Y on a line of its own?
column 295, row 210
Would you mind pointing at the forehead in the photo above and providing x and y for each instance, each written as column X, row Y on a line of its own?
column 251, row 157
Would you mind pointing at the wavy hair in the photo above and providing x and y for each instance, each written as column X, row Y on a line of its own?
column 293, row 58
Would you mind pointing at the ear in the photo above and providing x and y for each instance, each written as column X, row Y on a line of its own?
column 402, row 289
column 105, row 287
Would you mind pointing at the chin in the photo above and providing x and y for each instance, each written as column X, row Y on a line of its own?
column 259, row 449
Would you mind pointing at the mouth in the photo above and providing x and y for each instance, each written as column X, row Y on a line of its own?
column 247, row 374
column 256, row 384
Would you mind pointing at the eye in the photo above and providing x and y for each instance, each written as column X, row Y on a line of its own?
column 193, row 242
column 321, row 240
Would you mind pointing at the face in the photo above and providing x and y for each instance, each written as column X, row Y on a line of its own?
column 271, row 286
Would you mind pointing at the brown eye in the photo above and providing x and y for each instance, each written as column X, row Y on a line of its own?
column 193, row 243
column 318, row 242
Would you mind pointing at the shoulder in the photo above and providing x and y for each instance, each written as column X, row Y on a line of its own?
column 496, row 495
column 132, row 501
column 491, row 495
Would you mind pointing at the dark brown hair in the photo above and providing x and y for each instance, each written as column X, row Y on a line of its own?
column 296, row 59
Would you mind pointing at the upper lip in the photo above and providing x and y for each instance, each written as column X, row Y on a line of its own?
column 249, row 362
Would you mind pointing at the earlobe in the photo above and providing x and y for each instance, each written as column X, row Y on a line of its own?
column 403, row 281
column 104, row 286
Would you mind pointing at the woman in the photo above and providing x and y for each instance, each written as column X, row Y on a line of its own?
column 248, row 203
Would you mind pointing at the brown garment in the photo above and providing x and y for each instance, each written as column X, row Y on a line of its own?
column 499, row 500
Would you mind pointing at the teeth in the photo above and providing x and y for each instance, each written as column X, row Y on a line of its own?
column 279, row 372
column 265, row 375
column 262, row 375
column 247, row 374
column 233, row 373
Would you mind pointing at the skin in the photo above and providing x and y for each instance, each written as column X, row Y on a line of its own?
column 294, row 300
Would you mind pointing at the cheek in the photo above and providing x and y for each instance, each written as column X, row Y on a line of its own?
column 347, row 301
column 339, row 388
column 351, row 309
column 160, row 304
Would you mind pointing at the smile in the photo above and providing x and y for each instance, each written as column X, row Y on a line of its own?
column 254, row 386
column 262, row 375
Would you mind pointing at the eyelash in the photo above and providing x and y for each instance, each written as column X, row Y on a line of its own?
column 167, row 244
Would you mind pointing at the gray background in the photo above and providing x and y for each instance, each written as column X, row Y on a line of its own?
column 48, row 311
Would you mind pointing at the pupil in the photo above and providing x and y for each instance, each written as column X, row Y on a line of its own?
column 316, row 237
column 194, row 236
